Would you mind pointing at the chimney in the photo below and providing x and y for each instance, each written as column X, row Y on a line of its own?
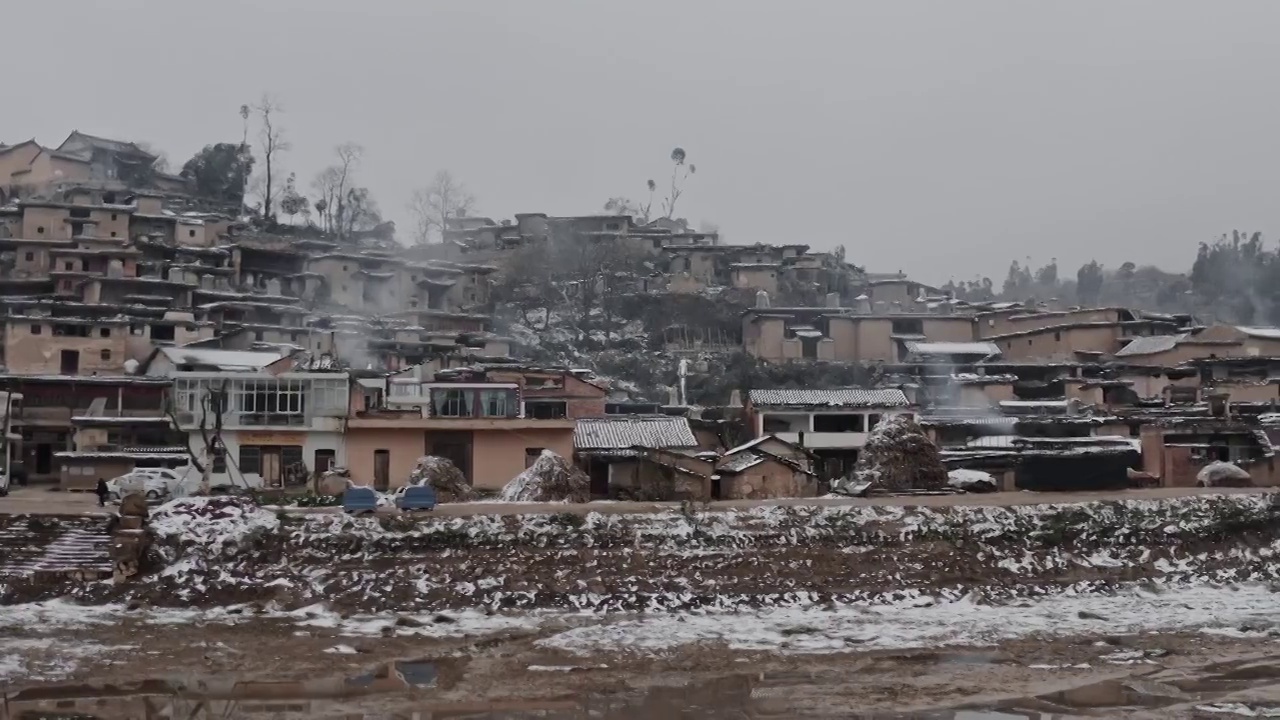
column 735, row 398
column 833, row 300
column 862, row 304
column 762, row 299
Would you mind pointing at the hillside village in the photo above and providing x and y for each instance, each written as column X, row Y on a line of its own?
column 146, row 325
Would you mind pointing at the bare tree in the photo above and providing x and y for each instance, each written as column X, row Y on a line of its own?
column 433, row 205
column 325, row 186
column 627, row 206
column 272, row 142
column 677, row 181
column 349, row 156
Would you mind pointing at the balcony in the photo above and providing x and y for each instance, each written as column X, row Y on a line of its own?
column 825, row 440
column 389, row 420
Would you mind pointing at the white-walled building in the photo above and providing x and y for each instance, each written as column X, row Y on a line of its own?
column 276, row 416
column 832, row 423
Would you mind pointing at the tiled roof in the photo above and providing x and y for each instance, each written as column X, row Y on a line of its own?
column 835, row 397
column 740, row 462
column 1150, row 345
column 1265, row 333
column 620, row 433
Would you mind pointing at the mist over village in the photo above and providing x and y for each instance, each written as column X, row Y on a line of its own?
column 793, row 389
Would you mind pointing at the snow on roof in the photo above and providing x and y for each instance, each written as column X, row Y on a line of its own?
column 222, row 359
column 1264, row 333
column 952, row 348
column 1150, row 345
column 835, row 397
column 625, row 432
column 740, row 462
column 1035, row 403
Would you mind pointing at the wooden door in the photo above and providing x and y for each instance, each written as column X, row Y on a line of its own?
column 271, row 466
column 381, row 469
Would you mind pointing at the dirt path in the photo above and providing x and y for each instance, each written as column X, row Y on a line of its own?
column 39, row 501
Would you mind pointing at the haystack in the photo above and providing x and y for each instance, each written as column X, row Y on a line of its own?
column 899, row 456
column 974, row 481
column 550, row 479
column 449, row 482
column 1223, row 474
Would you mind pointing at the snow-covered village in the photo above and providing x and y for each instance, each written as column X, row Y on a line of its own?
column 311, row 412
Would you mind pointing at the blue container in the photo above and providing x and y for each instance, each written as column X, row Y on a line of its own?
column 417, row 497
column 360, row 500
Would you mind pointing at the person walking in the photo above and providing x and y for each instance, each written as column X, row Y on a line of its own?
column 102, row 492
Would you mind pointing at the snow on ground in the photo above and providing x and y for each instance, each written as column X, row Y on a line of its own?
column 211, row 521
column 920, row 622
column 926, row 623
column 45, row 659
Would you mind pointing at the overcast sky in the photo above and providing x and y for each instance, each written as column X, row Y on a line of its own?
column 941, row 138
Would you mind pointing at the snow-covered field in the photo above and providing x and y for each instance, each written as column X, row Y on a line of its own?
column 919, row 622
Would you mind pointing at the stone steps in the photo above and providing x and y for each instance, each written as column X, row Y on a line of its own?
column 57, row 551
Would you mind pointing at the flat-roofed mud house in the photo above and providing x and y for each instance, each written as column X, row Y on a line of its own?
column 490, row 422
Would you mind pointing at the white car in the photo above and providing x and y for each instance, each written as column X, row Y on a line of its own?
column 155, row 483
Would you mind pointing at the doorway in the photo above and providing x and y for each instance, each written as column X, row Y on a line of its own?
column 454, row 447
column 381, row 469
column 70, row 362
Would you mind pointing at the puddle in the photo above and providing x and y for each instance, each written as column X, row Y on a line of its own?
column 398, row 675
column 413, row 688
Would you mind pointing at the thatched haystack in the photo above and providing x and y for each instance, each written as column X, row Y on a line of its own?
column 1223, row 474
column 899, row 456
column 449, row 482
column 550, row 479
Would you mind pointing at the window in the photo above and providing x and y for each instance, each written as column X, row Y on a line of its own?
column 137, row 330
column 104, row 332
column 913, row 326
column 329, row 395
column 113, row 234
column 40, row 230
column 325, row 460
column 31, row 257
column 105, row 354
column 257, row 335
column 113, row 217
column 531, row 456
column 497, row 403
column 839, row 422
column 1057, row 337
column 546, row 409
column 191, row 233
column 162, row 332
column 451, row 403
column 344, row 269
column 873, row 420
column 37, row 329
column 68, row 265
column 250, row 459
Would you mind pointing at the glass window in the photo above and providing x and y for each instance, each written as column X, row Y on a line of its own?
column 497, row 403
column 250, row 459
column 452, row 403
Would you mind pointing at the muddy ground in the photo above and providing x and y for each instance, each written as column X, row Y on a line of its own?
column 246, row 671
